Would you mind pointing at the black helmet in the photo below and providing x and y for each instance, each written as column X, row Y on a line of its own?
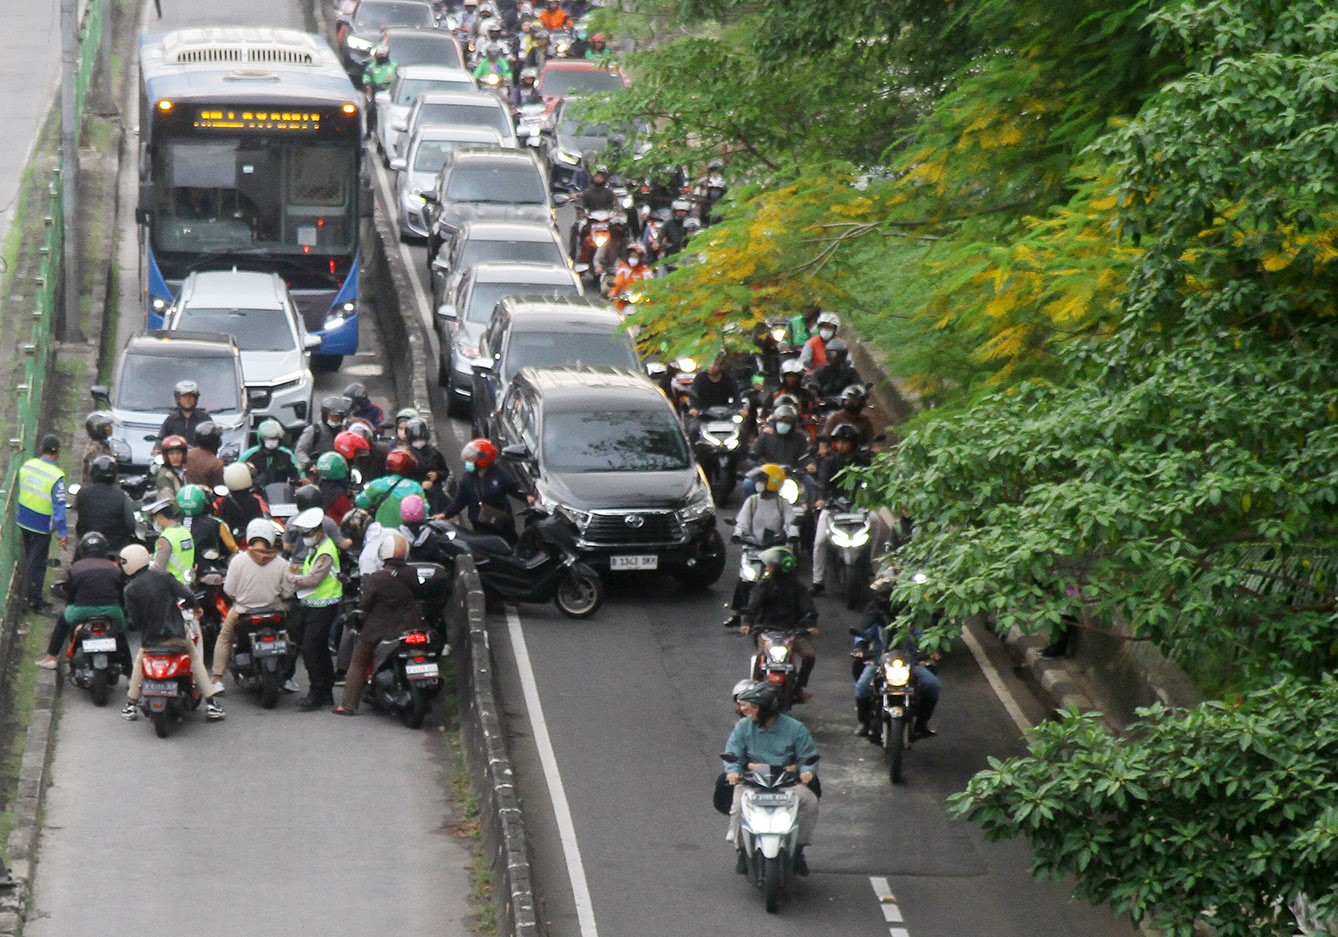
column 93, row 544
column 884, row 581
column 102, row 469
column 837, row 346
column 847, row 432
column 855, row 393
column 208, row 436
column 415, row 428
column 98, row 424
column 354, row 525
column 764, row 697
column 334, row 405
column 307, row 496
column 356, row 393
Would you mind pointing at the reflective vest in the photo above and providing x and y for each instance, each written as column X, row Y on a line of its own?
column 37, row 478
column 181, row 562
column 330, row 589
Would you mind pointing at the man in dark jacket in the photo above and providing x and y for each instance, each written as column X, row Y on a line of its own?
column 103, row 507
column 781, row 603
column 837, row 374
column 714, row 388
column 183, row 420
column 93, row 589
column 389, row 606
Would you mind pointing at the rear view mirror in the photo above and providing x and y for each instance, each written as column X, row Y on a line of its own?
column 101, row 395
column 311, row 342
column 399, row 164
column 517, row 453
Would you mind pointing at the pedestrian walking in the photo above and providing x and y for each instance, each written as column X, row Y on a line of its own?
column 41, row 512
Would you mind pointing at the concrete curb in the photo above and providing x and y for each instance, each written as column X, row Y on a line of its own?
column 484, row 728
column 400, row 328
column 28, row 799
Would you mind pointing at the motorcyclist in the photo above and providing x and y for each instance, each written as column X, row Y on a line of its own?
column 317, row 585
column 792, row 383
column 710, row 190
column 271, row 461
column 845, row 452
column 305, row 498
column 206, row 531
column 203, row 466
column 102, row 507
column 173, row 550
column 356, row 448
column 672, row 233
column 402, row 417
column 782, row 441
column 98, row 425
column 837, row 374
column 599, row 46
column 525, row 92
column 377, row 76
column 360, row 406
column 469, row 16
column 554, row 17
column 611, row 252
column 171, row 475
column 242, row 504
column 853, row 399
column 765, row 736
column 781, row 603
column 151, row 604
column 254, row 581
column 493, row 63
column 802, row 326
column 92, row 589
column 332, row 480
column 320, row 437
column 431, row 472
column 814, row 353
column 598, row 196
column 383, row 496
column 425, row 539
column 631, row 272
column 187, row 415
column 878, row 618
column 537, row 54
column 483, row 491
column 714, row 387
column 765, row 519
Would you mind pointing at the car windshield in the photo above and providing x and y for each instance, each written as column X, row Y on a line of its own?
column 571, row 82
column 471, row 115
column 477, row 252
column 431, row 155
column 566, row 349
column 410, row 88
column 424, row 50
column 510, row 185
column 485, row 295
column 254, row 329
column 614, row 441
column 146, row 382
column 370, row 16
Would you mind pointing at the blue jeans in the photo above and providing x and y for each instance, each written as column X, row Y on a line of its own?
column 927, row 683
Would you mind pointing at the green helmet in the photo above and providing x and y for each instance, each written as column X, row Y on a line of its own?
column 193, row 500
column 332, row 465
column 408, row 413
column 781, row 558
column 270, row 429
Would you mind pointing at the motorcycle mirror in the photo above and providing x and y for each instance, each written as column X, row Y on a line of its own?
column 355, row 476
column 730, row 522
column 561, row 198
column 221, row 490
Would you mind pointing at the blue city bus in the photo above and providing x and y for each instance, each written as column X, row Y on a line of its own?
column 251, row 157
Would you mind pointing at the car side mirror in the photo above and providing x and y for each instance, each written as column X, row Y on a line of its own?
column 399, row 164
column 517, row 453
column 561, row 198
column 101, row 395
column 446, row 313
column 581, row 269
column 429, row 196
column 311, row 342
column 382, row 98
column 399, row 124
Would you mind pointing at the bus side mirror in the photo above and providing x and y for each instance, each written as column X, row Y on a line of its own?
column 148, row 202
column 366, row 202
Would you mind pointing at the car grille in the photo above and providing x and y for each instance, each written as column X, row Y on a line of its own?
column 612, row 528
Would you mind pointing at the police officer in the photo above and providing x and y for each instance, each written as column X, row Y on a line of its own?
column 41, row 511
column 174, row 551
column 316, row 582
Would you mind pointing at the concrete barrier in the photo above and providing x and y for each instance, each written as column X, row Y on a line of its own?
column 402, row 336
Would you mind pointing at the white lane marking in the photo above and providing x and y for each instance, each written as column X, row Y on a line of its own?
column 892, row 914
column 571, row 849
column 424, row 312
column 888, row 902
column 996, row 682
column 898, row 932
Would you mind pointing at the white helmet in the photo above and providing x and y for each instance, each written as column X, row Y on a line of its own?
column 393, row 547
column 308, row 520
column 829, row 318
column 791, row 366
column 261, row 529
column 237, row 477
column 134, row 558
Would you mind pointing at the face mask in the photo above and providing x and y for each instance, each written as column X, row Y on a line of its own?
column 418, row 443
column 334, row 424
column 469, row 466
column 309, row 539
column 782, row 428
column 826, row 334
column 271, row 444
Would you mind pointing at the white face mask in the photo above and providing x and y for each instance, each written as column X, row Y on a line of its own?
column 309, row 539
column 418, row 443
column 826, row 334
column 633, row 260
column 271, row 444
column 334, row 423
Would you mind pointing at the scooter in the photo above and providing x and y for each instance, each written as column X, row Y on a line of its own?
column 259, row 651
column 719, row 437
column 210, row 571
column 777, row 663
column 769, row 829
column 93, row 657
column 851, row 560
column 169, row 690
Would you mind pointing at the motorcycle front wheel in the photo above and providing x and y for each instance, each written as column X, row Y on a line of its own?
column 580, row 593
column 894, row 746
column 775, row 882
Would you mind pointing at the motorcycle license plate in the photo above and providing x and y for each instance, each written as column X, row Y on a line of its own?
column 99, row 645
column 634, row 562
column 160, row 688
column 769, row 799
column 269, row 648
column 858, row 520
column 420, row 671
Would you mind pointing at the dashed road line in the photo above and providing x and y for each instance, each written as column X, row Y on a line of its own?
column 888, row 903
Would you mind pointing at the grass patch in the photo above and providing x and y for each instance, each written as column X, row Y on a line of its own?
column 19, row 708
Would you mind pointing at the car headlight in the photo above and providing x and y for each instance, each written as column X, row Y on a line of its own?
column 896, row 672
column 699, row 506
column 120, row 449
column 338, row 315
column 789, row 490
column 777, row 653
column 362, row 45
column 580, row 518
column 568, row 158
column 465, row 347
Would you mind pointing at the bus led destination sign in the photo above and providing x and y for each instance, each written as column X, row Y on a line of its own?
column 271, row 121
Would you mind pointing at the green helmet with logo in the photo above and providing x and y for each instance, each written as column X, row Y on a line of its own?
column 332, row 465
column 781, row 558
column 193, row 500
column 408, row 413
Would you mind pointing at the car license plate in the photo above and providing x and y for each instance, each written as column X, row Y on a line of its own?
column 269, row 648
column 160, row 688
column 420, row 671
column 99, row 645
column 634, row 562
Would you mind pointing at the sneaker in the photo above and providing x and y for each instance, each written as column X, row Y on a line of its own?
column 47, row 662
column 131, row 711
column 214, row 712
column 922, row 732
column 732, row 621
column 290, row 686
column 218, row 688
column 340, row 678
column 817, row 590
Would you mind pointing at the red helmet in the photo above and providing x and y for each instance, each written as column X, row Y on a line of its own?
column 349, row 444
column 399, row 462
column 174, row 442
column 479, row 451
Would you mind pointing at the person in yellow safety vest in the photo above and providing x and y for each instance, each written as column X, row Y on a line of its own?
column 41, row 510
column 316, row 581
column 174, row 551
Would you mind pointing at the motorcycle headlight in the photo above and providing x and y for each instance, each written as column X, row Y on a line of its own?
column 858, row 538
column 685, row 365
column 699, row 506
column 732, row 442
column 896, row 672
column 749, row 572
column 362, row 45
column 778, row 335
column 777, row 653
column 789, row 490
column 711, row 438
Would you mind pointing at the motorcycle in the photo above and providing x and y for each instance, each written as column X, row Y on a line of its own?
column 777, row 664
column 596, row 233
column 894, row 687
column 531, row 122
column 769, row 829
column 210, row 571
column 406, row 675
column 718, row 448
column 169, row 690
column 851, row 560
column 751, row 567
column 279, row 497
column 93, row 657
column 259, row 651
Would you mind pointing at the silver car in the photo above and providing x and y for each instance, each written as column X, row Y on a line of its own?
column 463, row 108
column 256, row 310
column 394, row 103
column 416, row 172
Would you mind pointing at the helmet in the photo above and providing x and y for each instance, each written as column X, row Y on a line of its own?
column 334, row 406
column 270, row 429
column 98, row 424
column 358, row 428
column 307, row 520
column 494, row 48
column 93, row 544
column 261, row 529
column 407, row 413
column 471, row 3
column 882, row 583
column 692, row 224
column 599, row 37
column 166, row 506
column 237, row 477
column 784, row 412
column 184, row 388
column 854, row 393
column 133, row 559
column 763, row 696
column 828, row 318
column 354, row 524
column 791, row 366
column 102, row 469
column 415, row 429
column 846, row 432
column 393, row 547
column 399, row 462
column 743, row 686
column 382, row 52
column 348, row 444
column 208, row 436
column 837, row 350
column 636, row 248
column 332, row 465
column 781, row 558
column 681, row 204
column 773, row 476
column 413, row 510
column 479, row 451
column 787, row 400
column 307, row 497
column 175, row 442
column 529, row 74
column 193, row 500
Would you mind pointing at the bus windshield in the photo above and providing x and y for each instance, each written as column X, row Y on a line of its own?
column 278, row 195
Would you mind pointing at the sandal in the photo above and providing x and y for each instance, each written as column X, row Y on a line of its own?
column 344, row 711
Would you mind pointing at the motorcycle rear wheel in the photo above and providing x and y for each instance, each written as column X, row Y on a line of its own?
column 101, row 688
column 162, row 724
column 269, row 688
column 413, row 715
column 580, row 593
column 894, row 746
column 857, row 582
column 775, row 883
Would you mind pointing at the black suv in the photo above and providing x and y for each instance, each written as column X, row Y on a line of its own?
column 604, row 447
column 543, row 332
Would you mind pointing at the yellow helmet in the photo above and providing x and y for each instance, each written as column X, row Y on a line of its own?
column 774, row 476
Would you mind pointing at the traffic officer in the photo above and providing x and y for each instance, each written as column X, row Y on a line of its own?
column 174, row 550
column 41, row 510
column 316, row 582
